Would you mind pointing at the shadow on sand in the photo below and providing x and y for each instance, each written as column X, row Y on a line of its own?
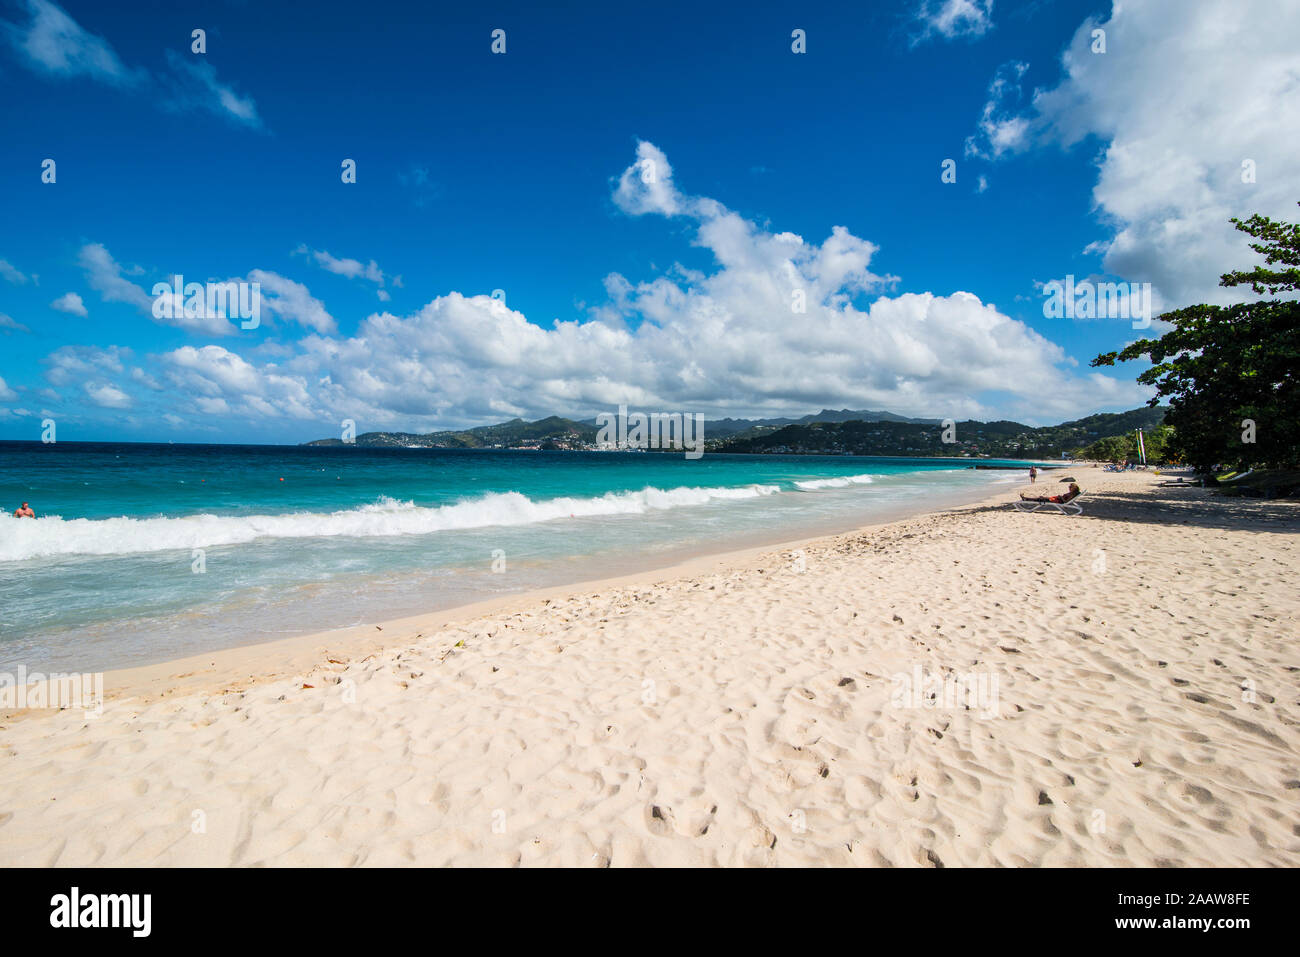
column 1178, row 506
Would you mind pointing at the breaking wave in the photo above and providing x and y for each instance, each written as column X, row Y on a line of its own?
column 23, row 538
column 844, row 481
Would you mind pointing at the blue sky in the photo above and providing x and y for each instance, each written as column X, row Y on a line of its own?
column 522, row 172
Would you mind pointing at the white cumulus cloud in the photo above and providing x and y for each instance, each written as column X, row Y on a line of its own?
column 11, row 274
column 953, row 18
column 1197, row 108
column 107, row 396
column 194, row 85
column 70, row 303
column 351, row 268
column 776, row 323
column 779, row 322
column 53, row 43
column 280, row 296
column 292, row 301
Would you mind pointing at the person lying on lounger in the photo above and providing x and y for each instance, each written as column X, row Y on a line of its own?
column 1054, row 499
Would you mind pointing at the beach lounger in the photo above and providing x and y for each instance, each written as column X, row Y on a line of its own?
column 1072, row 507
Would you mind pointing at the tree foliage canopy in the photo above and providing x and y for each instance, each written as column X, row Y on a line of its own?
column 1230, row 372
column 1116, row 448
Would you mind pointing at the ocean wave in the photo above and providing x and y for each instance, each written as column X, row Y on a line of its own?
column 844, row 481
column 51, row 535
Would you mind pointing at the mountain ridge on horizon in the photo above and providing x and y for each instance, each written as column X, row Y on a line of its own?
column 713, row 428
column 561, row 432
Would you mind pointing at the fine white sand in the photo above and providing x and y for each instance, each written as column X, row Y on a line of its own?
column 1143, row 662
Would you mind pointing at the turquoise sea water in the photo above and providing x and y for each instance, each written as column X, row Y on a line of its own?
column 143, row 553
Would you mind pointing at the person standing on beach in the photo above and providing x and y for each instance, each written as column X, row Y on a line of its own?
column 1033, row 474
column 24, row 512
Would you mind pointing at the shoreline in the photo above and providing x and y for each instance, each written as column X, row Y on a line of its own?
column 1135, row 666
column 252, row 664
column 143, row 677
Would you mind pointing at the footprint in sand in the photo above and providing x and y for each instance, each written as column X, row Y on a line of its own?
column 659, row 820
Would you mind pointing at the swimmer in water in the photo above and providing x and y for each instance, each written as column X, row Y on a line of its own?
column 24, row 512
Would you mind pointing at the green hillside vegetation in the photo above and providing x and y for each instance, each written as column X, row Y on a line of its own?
column 1000, row 439
column 514, row 432
column 1116, row 448
column 551, row 432
column 1106, row 436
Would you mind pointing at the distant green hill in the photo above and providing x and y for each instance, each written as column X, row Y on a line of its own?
column 882, row 434
column 724, row 428
column 551, row 432
column 1000, row 439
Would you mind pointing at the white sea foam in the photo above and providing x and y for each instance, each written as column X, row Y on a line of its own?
column 844, row 481
column 51, row 535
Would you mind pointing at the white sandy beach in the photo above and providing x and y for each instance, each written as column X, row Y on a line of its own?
column 742, row 710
